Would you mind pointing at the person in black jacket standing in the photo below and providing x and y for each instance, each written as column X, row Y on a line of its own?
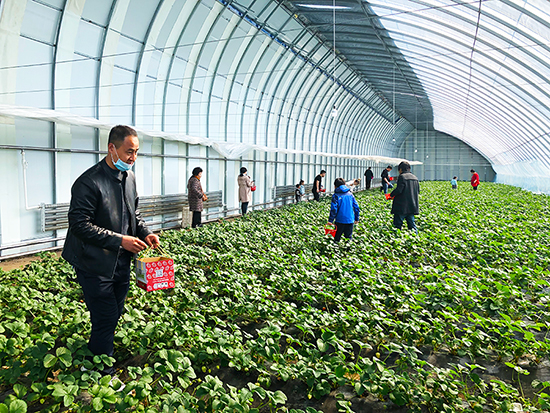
column 386, row 179
column 105, row 232
column 368, row 177
column 405, row 198
column 317, row 186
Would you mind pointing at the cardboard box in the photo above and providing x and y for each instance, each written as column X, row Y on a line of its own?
column 155, row 273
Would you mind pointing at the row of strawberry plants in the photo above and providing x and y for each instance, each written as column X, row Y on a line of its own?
column 266, row 304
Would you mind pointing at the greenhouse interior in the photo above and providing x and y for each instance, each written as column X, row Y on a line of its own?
column 304, row 206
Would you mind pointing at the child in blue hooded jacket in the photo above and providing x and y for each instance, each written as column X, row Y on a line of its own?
column 344, row 210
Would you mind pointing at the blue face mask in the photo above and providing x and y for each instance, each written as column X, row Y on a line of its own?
column 120, row 165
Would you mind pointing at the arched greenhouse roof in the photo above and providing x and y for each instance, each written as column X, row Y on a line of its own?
column 334, row 77
column 476, row 70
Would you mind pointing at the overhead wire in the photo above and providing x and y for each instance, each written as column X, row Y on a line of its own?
column 471, row 69
column 85, row 58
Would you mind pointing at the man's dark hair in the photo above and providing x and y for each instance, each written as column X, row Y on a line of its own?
column 368, row 167
column 472, row 171
column 119, row 133
column 322, row 172
column 404, row 166
column 338, row 182
column 297, row 185
column 197, row 171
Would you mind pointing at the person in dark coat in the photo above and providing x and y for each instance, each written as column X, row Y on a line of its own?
column 105, row 233
column 344, row 210
column 196, row 196
column 368, row 177
column 317, row 185
column 405, row 198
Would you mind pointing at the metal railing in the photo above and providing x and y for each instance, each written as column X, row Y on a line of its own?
column 54, row 216
column 288, row 191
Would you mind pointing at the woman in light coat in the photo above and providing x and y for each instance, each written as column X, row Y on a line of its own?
column 245, row 193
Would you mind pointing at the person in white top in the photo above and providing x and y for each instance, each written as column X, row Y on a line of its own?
column 245, row 191
column 354, row 183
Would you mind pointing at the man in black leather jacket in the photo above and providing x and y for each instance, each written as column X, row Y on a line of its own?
column 105, row 231
column 405, row 198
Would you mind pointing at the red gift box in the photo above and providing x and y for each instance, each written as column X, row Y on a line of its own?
column 155, row 273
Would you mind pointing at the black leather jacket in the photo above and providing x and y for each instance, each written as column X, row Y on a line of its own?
column 405, row 195
column 94, row 239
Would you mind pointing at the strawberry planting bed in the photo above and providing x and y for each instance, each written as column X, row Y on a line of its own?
column 269, row 315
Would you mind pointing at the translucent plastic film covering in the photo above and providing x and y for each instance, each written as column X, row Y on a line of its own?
column 232, row 73
column 478, row 71
column 515, row 174
column 484, row 66
column 208, row 83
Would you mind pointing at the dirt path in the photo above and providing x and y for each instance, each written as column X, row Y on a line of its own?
column 20, row 262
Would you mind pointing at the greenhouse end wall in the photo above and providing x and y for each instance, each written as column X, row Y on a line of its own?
column 443, row 157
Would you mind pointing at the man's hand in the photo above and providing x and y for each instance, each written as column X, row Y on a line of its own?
column 133, row 244
column 152, row 240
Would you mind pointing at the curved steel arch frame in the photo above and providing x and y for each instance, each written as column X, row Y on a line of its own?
column 293, row 106
column 520, row 105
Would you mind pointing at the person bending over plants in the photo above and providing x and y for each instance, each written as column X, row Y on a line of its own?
column 353, row 184
column 405, row 197
column 344, row 210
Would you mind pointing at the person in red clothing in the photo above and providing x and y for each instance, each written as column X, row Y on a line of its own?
column 475, row 179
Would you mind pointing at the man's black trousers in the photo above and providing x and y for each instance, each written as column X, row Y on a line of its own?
column 104, row 297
